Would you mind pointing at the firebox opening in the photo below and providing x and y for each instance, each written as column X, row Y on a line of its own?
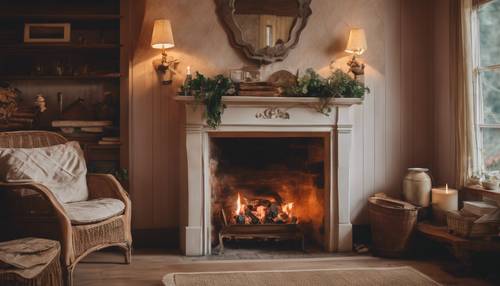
column 269, row 181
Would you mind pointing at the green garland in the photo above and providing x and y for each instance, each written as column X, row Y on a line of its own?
column 338, row 85
column 209, row 91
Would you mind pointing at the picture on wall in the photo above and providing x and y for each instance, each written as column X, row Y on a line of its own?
column 47, row 33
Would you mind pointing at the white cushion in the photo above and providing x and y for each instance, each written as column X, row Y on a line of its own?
column 93, row 211
column 61, row 168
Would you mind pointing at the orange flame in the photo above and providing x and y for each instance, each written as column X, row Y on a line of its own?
column 238, row 205
column 287, row 208
column 261, row 213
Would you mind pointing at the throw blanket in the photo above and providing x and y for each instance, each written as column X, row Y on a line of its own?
column 61, row 168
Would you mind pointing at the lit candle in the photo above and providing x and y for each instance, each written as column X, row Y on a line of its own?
column 188, row 70
column 445, row 199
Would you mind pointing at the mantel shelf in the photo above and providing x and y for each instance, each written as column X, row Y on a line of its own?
column 253, row 100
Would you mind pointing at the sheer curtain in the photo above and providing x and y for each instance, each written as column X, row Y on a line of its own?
column 462, row 88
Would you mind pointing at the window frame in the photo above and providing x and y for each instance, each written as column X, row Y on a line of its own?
column 479, row 123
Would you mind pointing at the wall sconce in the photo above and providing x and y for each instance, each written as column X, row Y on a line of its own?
column 163, row 39
column 356, row 46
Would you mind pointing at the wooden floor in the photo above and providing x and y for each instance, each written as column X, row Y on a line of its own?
column 149, row 266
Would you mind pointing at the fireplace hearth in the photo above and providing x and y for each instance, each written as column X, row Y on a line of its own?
column 268, row 187
column 274, row 178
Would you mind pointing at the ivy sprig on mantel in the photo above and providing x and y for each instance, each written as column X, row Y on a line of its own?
column 338, row 84
column 209, row 92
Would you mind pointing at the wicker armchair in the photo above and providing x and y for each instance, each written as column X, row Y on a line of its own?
column 42, row 215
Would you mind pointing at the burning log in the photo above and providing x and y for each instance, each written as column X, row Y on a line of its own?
column 263, row 211
column 255, row 219
column 240, row 219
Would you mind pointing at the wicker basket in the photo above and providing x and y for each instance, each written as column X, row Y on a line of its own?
column 462, row 224
column 392, row 225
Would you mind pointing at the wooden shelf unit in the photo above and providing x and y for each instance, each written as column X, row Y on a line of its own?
column 94, row 61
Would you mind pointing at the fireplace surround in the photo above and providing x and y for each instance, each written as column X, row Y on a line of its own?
column 256, row 121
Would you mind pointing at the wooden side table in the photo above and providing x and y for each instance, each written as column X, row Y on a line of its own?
column 30, row 261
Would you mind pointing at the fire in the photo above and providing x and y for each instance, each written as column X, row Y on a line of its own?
column 238, row 205
column 287, row 208
column 263, row 211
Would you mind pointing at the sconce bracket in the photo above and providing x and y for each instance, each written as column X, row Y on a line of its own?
column 166, row 69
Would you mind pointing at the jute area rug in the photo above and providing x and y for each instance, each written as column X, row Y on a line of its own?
column 315, row 277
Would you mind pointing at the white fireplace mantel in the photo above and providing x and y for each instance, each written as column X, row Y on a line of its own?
column 273, row 115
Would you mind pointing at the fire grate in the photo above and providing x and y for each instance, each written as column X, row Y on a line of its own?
column 290, row 231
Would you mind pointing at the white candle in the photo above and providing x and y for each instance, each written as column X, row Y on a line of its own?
column 445, row 199
column 188, row 70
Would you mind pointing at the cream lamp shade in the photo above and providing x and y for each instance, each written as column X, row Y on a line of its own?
column 357, row 42
column 162, row 35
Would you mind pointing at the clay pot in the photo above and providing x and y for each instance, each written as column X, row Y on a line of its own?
column 417, row 187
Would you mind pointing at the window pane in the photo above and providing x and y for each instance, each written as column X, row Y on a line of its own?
column 490, row 90
column 491, row 148
column 489, row 30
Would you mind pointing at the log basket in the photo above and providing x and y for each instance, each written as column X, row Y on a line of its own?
column 392, row 224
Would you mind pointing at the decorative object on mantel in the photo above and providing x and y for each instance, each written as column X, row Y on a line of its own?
column 356, row 46
column 209, row 91
column 417, row 186
column 245, row 74
column 273, row 35
column 187, row 81
column 258, row 89
column 163, row 39
column 282, row 79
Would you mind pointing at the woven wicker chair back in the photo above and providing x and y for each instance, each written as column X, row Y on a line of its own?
column 30, row 139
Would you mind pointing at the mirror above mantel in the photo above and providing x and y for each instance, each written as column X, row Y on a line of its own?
column 264, row 30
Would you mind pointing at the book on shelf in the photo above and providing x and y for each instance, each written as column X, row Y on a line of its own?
column 109, row 141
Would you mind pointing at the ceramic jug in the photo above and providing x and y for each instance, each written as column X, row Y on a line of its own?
column 417, row 187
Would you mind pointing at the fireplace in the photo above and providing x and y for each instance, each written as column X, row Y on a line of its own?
column 270, row 187
column 274, row 168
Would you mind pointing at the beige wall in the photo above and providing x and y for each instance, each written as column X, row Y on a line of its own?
column 393, row 128
column 444, row 147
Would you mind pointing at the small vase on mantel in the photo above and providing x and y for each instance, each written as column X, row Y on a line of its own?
column 417, row 187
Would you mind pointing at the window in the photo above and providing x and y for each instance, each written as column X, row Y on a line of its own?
column 486, row 42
